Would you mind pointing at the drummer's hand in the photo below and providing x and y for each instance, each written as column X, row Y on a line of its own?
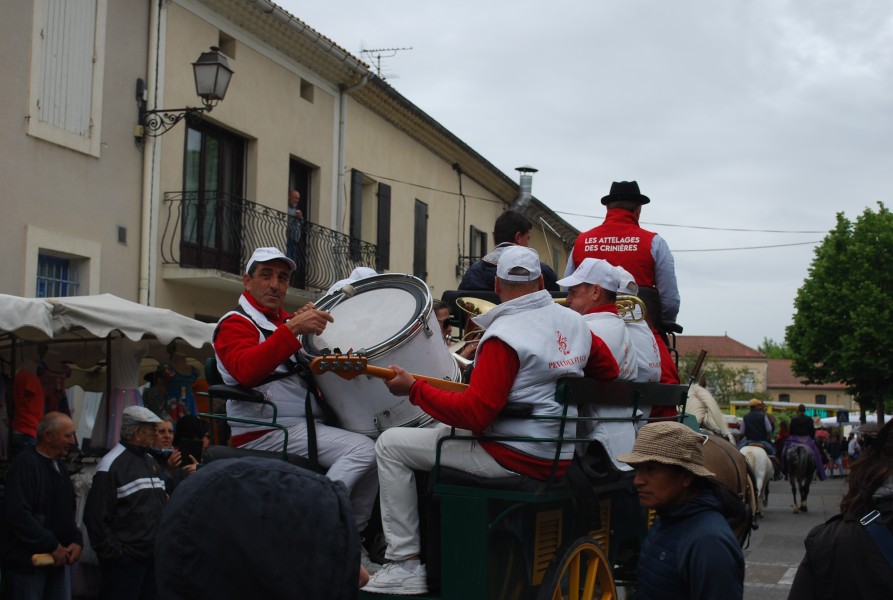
column 309, row 320
column 401, row 383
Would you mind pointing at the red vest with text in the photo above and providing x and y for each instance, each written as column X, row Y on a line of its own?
column 621, row 242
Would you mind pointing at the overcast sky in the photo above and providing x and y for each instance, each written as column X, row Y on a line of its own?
column 732, row 115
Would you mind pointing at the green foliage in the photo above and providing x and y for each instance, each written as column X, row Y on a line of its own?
column 773, row 349
column 725, row 383
column 842, row 328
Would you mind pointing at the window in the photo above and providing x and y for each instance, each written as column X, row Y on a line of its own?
column 748, row 382
column 420, row 241
column 67, row 62
column 477, row 243
column 369, row 197
column 307, row 91
column 784, row 397
column 383, row 233
column 213, row 186
column 56, row 277
column 821, row 399
column 83, row 256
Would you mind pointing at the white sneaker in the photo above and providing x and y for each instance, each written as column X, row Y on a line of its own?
column 394, row 579
column 371, row 567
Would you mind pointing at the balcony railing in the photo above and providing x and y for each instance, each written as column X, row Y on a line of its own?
column 464, row 263
column 220, row 231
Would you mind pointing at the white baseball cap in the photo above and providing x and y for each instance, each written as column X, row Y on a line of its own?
column 519, row 256
column 594, row 271
column 627, row 282
column 262, row 255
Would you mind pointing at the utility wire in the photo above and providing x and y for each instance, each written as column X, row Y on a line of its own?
column 749, row 247
column 562, row 212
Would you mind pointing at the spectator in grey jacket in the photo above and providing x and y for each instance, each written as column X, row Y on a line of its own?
column 124, row 508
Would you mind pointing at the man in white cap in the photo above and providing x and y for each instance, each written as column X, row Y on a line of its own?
column 256, row 346
column 592, row 292
column 690, row 552
column 124, row 508
column 529, row 343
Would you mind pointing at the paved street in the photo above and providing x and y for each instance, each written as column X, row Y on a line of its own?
column 776, row 548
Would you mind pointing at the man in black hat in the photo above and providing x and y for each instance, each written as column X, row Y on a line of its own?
column 620, row 241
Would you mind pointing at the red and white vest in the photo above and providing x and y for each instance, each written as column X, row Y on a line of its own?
column 551, row 342
column 620, row 241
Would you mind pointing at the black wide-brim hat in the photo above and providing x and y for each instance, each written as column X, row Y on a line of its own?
column 625, row 190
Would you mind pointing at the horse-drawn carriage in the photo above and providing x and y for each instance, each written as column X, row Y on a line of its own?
column 575, row 536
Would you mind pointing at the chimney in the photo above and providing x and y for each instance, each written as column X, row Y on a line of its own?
column 526, row 187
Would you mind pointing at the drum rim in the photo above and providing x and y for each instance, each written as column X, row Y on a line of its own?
column 398, row 339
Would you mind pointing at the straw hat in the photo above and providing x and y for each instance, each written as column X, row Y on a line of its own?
column 755, row 402
column 669, row 443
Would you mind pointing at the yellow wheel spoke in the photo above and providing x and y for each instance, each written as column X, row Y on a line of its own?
column 573, row 580
column 584, row 575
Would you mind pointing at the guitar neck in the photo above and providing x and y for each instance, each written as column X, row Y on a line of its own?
column 443, row 384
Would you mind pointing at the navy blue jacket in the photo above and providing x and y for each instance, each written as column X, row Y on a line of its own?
column 691, row 554
column 39, row 511
column 481, row 275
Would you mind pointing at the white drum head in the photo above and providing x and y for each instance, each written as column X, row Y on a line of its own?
column 384, row 310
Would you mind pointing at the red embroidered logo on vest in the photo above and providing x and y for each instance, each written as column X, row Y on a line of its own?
column 562, row 344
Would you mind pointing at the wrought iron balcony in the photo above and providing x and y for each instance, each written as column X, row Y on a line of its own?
column 464, row 263
column 220, row 231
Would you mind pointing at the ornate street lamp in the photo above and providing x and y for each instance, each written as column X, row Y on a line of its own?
column 212, row 75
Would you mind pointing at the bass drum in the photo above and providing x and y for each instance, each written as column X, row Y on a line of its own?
column 390, row 318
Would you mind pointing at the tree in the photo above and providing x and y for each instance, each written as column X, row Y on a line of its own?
column 773, row 349
column 842, row 329
column 725, row 383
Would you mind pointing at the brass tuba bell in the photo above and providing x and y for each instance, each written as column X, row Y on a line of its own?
column 630, row 308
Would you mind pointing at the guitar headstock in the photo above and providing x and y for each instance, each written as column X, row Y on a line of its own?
column 346, row 366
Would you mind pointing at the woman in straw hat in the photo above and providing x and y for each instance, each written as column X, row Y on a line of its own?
column 690, row 552
column 851, row 555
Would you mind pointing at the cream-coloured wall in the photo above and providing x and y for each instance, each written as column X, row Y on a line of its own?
column 264, row 105
column 386, row 154
column 71, row 197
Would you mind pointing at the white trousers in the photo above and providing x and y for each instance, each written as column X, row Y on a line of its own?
column 400, row 451
column 348, row 457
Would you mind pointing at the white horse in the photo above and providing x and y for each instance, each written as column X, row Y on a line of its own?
column 705, row 409
column 761, row 466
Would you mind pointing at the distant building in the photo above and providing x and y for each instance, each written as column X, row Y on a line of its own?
column 770, row 376
column 821, row 399
column 732, row 354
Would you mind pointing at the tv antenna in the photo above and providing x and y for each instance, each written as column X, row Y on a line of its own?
column 378, row 53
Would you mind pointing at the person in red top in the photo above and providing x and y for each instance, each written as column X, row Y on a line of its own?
column 255, row 346
column 529, row 342
column 27, row 393
column 620, row 241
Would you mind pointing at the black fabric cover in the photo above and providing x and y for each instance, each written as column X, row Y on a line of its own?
column 257, row 528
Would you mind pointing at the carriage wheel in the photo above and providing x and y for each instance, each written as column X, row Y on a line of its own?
column 582, row 573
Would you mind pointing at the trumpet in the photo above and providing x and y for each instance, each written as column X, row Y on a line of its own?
column 631, row 308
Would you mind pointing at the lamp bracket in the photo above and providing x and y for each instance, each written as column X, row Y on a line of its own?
column 158, row 122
